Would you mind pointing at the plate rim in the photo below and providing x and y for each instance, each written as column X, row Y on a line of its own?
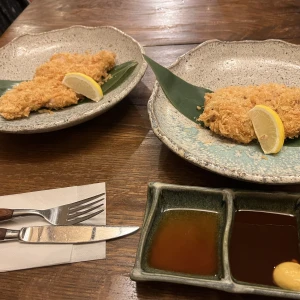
column 206, row 164
column 74, row 120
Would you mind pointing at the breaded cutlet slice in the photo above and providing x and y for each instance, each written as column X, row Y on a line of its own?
column 46, row 89
column 225, row 110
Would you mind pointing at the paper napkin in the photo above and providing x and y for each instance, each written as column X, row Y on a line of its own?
column 16, row 256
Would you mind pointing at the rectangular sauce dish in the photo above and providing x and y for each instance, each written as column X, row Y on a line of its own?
column 222, row 239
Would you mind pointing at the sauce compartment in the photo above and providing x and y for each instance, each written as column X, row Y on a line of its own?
column 264, row 233
column 182, row 235
column 186, row 241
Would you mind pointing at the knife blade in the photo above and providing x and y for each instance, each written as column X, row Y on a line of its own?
column 65, row 234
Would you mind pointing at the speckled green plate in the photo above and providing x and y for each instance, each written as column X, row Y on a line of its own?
column 23, row 55
column 215, row 64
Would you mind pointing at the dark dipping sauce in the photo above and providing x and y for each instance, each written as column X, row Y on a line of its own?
column 259, row 242
column 186, row 241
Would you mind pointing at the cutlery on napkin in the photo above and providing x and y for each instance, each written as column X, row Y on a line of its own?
column 17, row 256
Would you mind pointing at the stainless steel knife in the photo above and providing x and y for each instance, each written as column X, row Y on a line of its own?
column 65, row 234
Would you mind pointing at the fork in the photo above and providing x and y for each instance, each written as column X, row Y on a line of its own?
column 68, row 214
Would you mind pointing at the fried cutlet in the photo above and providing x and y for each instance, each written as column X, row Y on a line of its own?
column 46, row 89
column 225, row 110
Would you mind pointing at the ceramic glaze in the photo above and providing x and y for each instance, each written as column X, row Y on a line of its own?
column 215, row 64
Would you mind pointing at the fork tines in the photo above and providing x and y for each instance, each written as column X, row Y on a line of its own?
column 85, row 209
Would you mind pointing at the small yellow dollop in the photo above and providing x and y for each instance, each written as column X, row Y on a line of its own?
column 287, row 276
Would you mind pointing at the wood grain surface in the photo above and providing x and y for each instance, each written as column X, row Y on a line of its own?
column 167, row 22
column 119, row 147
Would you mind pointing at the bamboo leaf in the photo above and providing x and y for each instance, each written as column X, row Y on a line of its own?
column 292, row 142
column 184, row 96
column 118, row 74
column 6, row 85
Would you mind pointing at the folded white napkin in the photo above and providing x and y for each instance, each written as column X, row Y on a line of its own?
column 15, row 255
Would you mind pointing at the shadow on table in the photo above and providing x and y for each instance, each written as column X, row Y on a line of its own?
column 98, row 133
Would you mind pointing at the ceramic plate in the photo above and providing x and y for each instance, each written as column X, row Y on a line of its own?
column 23, row 55
column 215, row 64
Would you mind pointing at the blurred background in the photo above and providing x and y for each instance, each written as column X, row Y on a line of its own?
column 9, row 11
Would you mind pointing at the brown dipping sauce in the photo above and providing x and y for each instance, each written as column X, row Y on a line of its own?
column 186, row 241
column 260, row 241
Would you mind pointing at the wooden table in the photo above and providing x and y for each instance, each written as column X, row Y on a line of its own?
column 119, row 147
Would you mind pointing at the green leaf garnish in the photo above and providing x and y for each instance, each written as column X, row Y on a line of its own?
column 184, row 96
column 118, row 75
column 292, row 142
column 6, row 85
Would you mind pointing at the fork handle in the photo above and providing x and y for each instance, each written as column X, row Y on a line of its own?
column 6, row 214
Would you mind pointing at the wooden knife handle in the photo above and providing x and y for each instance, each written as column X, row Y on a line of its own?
column 2, row 234
column 6, row 214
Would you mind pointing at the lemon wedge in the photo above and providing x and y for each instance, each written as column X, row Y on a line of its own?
column 268, row 128
column 83, row 85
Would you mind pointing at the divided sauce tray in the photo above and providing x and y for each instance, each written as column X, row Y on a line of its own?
column 225, row 202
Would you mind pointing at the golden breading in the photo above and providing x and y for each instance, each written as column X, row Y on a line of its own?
column 225, row 111
column 46, row 89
